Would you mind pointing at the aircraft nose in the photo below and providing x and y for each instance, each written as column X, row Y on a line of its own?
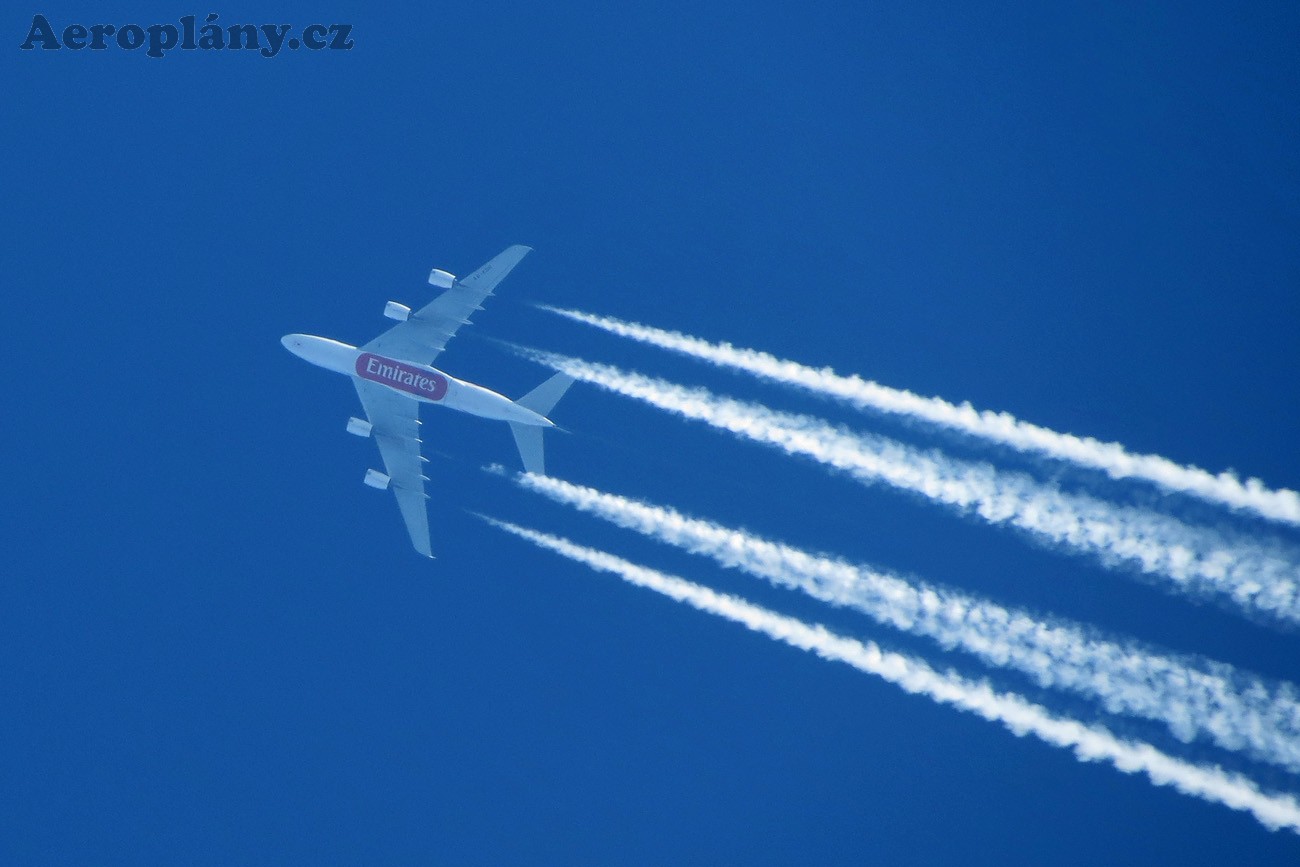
column 295, row 344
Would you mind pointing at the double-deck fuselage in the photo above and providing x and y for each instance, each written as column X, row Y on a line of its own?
column 416, row 381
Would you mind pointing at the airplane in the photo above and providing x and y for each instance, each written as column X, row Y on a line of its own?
column 393, row 375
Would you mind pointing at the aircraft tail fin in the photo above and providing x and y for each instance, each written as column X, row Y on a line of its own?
column 528, row 438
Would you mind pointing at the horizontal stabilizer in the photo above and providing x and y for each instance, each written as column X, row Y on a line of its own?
column 543, row 399
column 528, row 439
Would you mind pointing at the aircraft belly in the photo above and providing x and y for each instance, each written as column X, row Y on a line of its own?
column 431, row 386
column 421, row 383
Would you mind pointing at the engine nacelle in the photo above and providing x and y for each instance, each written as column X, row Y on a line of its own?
column 376, row 479
column 441, row 279
column 359, row 427
column 400, row 312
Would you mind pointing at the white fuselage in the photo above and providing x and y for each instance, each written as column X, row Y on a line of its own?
column 416, row 381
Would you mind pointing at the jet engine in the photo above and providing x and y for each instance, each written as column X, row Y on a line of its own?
column 400, row 312
column 376, row 479
column 359, row 427
column 441, row 279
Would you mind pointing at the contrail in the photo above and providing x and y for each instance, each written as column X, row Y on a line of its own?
column 1235, row 710
column 1225, row 489
column 1089, row 743
column 1260, row 579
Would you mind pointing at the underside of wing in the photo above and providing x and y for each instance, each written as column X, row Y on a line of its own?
column 424, row 334
column 395, row 427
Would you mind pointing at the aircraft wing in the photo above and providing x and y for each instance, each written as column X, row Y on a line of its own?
column 395, row 426
column 422, row 336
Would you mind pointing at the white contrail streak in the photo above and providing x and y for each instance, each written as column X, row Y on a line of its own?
column 1233, row 709
column 1260, row 579
column 1000, row 427
column 1089, row 743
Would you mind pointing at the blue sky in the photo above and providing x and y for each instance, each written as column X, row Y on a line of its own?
column 218, row 646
